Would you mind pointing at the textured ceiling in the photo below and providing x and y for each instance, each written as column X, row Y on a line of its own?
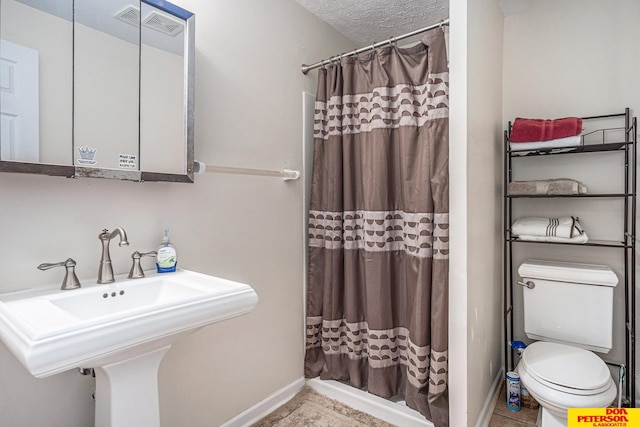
column 368, row 21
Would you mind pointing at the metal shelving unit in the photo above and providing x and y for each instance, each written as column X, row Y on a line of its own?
column 627, row 246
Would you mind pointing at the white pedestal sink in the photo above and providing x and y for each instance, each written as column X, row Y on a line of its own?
column 122, row 330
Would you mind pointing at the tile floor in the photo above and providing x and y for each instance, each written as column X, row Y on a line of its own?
column 503, row 417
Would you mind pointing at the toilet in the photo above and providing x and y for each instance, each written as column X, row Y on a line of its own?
column 568, row 311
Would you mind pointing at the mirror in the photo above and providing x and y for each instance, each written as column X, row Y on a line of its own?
column 106, row 68
column 106, row 89
column 37, row 71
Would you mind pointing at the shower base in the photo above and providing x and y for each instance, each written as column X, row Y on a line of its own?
column 397, row 413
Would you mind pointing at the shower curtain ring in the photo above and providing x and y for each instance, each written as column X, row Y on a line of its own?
column 392, row 41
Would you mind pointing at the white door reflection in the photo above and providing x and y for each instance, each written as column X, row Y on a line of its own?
column 19, row 125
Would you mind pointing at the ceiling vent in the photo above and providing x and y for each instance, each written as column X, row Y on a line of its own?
column 130, row 15
column 163, row 24
column 154, row 20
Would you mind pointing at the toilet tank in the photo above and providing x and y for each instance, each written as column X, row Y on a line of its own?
column 569, row 303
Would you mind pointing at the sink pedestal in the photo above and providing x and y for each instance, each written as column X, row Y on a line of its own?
column 127, row 391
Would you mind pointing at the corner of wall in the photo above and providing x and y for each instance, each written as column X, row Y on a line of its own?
column 458, row 209
column 475, row 194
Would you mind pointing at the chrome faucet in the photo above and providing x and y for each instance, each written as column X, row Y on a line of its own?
column 105, row 273
column 70, row 280
column 136, row 271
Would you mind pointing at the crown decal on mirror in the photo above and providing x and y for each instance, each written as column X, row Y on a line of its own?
column 87, row 155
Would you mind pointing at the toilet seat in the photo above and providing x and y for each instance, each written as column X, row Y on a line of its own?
column 566, row 369
column 559, row 376
column 556, row 402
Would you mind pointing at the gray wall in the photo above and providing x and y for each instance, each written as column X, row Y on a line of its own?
column 475, row 164
column 249, row 229
column 582, row 64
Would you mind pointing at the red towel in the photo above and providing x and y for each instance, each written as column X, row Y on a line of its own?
column 535, row 130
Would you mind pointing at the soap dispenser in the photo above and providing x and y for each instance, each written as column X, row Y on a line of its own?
column 166, row 259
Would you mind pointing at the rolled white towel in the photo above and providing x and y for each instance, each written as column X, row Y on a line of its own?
column 580, row 238
column 564, row 227
column 570, row 141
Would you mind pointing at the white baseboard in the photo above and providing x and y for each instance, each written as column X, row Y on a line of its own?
column 489, row 403
column 395, row 413
column 266, row 406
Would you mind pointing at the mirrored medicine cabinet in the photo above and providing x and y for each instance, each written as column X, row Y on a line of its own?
column 97, row 88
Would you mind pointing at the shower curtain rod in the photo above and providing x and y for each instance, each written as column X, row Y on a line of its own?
column 306, row 68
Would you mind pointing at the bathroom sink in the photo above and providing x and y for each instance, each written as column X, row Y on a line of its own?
column 51, row 331
column 163, row 291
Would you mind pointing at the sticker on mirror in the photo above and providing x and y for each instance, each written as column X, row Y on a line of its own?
column 87, row 156
column 127, row 161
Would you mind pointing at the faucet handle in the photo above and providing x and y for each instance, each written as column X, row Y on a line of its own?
column 136, row 270
column 70, row 280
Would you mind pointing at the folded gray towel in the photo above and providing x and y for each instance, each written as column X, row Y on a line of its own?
column 560, row 186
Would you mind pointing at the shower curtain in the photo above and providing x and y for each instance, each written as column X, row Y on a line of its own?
column 378, row 225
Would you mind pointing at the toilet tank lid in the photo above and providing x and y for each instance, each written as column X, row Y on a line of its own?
column 572, row 272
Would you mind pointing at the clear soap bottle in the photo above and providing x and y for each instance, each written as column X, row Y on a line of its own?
column 167, row 258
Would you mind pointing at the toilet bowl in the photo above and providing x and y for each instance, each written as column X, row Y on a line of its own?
column 560, row 376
